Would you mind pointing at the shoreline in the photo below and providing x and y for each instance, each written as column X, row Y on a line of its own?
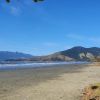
column 37, row 65
column 60, row 82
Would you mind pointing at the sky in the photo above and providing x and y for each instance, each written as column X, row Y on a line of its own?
column 50, row 26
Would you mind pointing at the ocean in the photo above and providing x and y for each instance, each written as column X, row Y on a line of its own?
column 35, row 65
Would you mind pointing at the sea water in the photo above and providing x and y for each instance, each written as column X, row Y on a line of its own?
column 36, row 65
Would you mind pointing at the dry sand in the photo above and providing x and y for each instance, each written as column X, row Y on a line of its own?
column 61, row 82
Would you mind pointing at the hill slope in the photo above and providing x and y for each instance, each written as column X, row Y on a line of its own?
column 81, row 53
column 74, row 54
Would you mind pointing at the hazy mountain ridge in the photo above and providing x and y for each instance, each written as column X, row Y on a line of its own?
column 5, row 55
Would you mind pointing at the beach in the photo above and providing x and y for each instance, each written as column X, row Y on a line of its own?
column 56, row 82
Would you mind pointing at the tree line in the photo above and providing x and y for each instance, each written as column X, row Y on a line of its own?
column 8, row 1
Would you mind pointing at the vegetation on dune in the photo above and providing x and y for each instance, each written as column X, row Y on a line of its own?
column 98, row 59
column 92, row 92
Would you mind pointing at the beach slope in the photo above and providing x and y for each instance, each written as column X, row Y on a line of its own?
column 59, row 82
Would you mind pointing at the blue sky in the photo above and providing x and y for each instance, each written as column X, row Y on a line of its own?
column 50, row 26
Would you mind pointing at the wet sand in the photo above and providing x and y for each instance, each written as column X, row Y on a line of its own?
column 59, row 82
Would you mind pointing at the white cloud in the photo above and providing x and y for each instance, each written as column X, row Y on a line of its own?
column 50, row 44
column 83, row 38
column 75, row 36
column 38, row 49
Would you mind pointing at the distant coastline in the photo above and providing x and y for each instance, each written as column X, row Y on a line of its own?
column 77, row 53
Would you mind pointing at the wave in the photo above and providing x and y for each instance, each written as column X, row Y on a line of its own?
column 35, row 65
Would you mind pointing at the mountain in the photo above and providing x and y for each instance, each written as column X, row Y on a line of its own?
column 77, row 53
column 82, row 53
column 5, row 55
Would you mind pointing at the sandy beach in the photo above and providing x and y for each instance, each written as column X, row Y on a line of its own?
column 60, row 82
